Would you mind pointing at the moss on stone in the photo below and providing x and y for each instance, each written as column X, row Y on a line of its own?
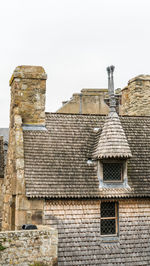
column 2, row 247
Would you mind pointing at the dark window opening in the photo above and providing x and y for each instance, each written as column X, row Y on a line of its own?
column 109, row 218
column 112, row 171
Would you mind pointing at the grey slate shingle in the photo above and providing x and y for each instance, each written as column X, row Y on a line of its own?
column 56, row 159
column 112, row 141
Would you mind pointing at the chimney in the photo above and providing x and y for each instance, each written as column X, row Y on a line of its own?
column 135, row 100
column 28, row 87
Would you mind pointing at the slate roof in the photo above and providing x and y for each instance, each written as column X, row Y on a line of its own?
column 57, row 160
column 112, row 141
column 5, row 133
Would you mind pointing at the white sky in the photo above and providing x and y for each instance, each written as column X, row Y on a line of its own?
column 74, row 40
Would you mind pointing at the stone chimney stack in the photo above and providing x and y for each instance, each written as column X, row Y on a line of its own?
column 27, row 111
column 136, row 97
column 28, row 87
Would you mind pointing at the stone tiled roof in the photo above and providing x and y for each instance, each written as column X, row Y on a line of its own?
column 58, row 161
column 112, row 141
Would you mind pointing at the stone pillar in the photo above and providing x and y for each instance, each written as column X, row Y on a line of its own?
column 136, row 97
column 28, row 87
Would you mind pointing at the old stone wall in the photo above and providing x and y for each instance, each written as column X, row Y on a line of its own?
column 28, row 85
column 1, row 157
column 89, row 101
column 1, row 176
column 80, row 243
column 1, row 200
column 135, row 99
column 27, row 247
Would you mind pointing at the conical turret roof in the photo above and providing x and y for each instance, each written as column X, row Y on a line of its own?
column 112, row 142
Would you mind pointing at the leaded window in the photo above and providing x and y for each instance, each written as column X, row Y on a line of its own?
column 112, row 172
column 109, row 218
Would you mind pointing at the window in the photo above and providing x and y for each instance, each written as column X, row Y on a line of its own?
column 109, row 218
column 112, row 172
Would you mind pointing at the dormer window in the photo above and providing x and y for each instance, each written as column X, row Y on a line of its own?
column 112, row 171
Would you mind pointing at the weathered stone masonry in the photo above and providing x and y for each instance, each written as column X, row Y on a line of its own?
column 1, row 177
column 28, row 85
column 54, row 163
column 25, row 248
column 135, row 98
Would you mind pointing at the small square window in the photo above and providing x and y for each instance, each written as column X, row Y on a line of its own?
column 112, row 172
column 109, row 218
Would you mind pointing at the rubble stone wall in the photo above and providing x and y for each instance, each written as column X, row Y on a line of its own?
column 28, row 247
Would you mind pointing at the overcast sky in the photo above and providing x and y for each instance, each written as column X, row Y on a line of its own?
column 74, row 40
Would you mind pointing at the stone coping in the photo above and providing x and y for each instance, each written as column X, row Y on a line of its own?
column 28, row 72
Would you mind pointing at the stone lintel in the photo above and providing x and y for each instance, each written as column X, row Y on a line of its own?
column 28, row 72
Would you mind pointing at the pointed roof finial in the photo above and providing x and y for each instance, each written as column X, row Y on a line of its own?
column 108, row 71
column 112, row 100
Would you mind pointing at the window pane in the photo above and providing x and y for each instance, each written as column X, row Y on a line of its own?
column 108, row 227
column 108, row 209
column 112, row 171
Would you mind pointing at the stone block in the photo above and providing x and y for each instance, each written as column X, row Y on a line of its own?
column 19, row 163
column 19, row 151
column 22, row 203
column 20, row 174
column 37, row 204
column 7, row 198
column 53, row 251
column 20, row 218
column 20, row 187
column 17, row 120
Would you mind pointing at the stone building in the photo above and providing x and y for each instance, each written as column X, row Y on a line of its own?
column 89, row 101
column 135, row 99
column 3, row 154
column 86, row 174
column 1, row 176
